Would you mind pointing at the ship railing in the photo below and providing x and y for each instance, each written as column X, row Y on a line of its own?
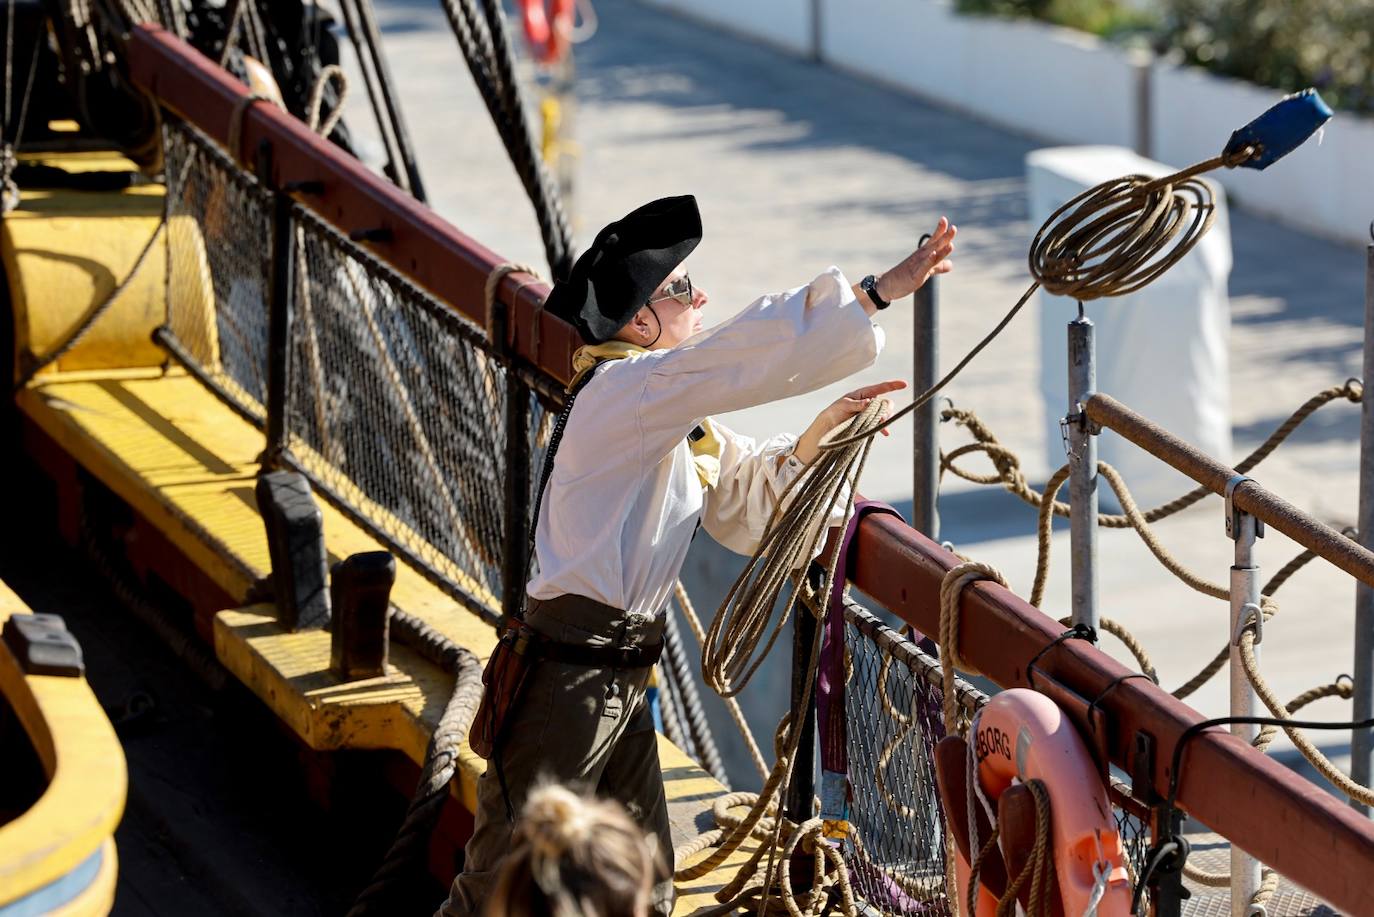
column 354, row 278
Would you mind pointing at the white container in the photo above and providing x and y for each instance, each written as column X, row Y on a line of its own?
column 1161, row 351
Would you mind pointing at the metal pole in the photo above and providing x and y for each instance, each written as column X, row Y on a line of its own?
column 1362, row 741
column 1245, row 604
column 280, row 277
column 1081, row 444
column 517, row 497
column 925, row 491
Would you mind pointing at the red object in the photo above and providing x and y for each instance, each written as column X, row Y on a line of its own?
column 548, row 28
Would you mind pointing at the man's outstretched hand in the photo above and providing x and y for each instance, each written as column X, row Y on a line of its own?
column 915, row 269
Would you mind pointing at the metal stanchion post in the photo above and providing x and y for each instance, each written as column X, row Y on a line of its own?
column 1245, row 608
column 281, row 281
column 1362, row 741
column 1080, row 441
column 925, row 514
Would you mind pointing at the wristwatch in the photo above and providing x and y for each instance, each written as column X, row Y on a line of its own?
column 870, row 286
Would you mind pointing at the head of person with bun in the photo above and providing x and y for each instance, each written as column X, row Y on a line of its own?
column 631, row 284
column 574, row 856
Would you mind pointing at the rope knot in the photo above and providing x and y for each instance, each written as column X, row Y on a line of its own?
column 951, row 588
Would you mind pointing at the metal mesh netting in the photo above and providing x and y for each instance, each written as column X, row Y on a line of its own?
column 893, row 702
column 896, row 850
column 396, row 410
column 1133, row 828
column 219, row 241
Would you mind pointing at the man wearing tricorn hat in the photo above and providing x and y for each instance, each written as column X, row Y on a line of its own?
column 641, row 464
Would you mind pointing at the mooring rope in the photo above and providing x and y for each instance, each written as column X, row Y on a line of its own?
column 1007, row 464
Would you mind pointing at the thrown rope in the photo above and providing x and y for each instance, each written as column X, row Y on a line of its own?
column 1111, row 240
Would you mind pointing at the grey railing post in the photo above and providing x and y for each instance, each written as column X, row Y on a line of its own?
column 1245, row 608
column 1081, row 444
column 925, row 491
column 1362, row 742
column 516, row 546
column 281, row 273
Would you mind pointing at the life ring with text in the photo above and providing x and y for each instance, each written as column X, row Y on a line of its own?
column 1022, row 735
column 548, row 27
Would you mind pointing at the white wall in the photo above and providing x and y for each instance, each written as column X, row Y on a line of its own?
column 785, row 23
column 1042, row 80
column 1069, row 87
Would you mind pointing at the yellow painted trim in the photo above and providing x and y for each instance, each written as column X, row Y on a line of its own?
column 87, row 777
column 65, row 251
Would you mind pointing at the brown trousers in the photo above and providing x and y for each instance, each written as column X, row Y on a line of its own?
column 587, row 728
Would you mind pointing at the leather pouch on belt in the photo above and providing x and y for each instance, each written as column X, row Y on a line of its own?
column 504, row 678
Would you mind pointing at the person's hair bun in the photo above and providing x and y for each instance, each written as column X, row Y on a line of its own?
column 557, row 820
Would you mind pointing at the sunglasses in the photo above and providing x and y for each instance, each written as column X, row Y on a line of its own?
column 680, row 289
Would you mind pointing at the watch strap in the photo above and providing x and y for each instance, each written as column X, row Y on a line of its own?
column 870, row 286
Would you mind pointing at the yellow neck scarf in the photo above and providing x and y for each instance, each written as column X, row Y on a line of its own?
column 706, row 449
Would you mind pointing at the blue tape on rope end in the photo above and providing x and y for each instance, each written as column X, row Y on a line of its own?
column 1281, row 129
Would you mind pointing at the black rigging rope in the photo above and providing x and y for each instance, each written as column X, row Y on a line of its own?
column 483, row 39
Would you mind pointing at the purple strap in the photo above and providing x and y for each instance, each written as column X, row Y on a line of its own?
column 830, row 713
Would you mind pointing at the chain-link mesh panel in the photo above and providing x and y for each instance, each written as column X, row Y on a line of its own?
column 1133, row 828
column 219, row 243
column 397, row 412
column 896, row 849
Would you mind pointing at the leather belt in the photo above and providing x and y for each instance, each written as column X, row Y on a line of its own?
column 600, row 657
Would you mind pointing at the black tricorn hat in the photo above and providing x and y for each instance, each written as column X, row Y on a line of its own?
column 629, row 258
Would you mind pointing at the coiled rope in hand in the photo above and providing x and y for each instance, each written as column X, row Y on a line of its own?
column 1110, row 240
column 740, row 637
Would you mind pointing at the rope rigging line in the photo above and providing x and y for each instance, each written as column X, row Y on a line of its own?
column 483, row 40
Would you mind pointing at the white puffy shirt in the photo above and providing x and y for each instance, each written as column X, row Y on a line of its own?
column 624, row 499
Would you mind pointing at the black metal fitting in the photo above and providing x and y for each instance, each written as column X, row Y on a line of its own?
column 295, row 542
column 360, row 596
column 311, row 186
column 43, row 645
column 371, row 234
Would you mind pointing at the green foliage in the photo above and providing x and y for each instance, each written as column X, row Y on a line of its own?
column 1286, row 44
column 1108, row 18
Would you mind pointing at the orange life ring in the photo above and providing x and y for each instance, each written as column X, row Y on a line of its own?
column 548, row 27
column 1022, row 735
